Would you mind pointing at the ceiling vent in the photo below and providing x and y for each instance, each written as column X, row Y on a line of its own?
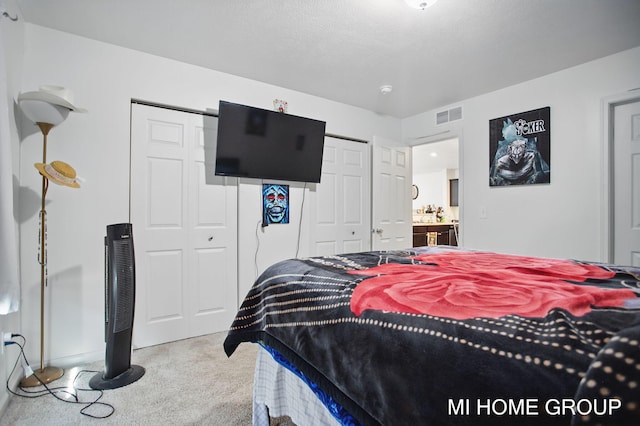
column 453, row 114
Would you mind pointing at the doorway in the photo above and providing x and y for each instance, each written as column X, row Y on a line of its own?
column 436, row 180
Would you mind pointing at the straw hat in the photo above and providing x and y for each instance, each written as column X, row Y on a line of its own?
column 58, row 172
column 55, row 95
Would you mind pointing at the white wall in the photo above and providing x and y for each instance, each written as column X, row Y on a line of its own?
column 560, row 219
column 261, row 247
column 11, row 35
column 104, row 79
column 432, row 186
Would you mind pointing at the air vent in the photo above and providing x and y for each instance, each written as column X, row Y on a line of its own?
column 442, row 117
column 453, row 114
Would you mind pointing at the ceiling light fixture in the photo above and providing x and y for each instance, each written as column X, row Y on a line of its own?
column 420, row 4
column 386, row 89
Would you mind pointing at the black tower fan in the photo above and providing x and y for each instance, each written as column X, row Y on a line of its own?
column 120, row 288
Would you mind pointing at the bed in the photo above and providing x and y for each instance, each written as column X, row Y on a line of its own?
column 444, row 335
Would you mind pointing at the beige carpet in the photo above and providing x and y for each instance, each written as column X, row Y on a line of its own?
column 190, row 382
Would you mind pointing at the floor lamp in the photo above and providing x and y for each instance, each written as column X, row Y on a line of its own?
column 47, row 107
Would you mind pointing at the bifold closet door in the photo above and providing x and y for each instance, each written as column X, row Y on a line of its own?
column 341, row 209
column 185, row 228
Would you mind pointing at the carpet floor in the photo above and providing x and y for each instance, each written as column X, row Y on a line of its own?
column 189, row 382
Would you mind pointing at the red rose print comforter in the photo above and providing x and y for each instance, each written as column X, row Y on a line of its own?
column 448, row 336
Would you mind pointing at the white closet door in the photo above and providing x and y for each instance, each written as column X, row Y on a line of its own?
column 184, row 229
column 342, row 201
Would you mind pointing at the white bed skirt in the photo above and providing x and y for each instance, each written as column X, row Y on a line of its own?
column 279, row 392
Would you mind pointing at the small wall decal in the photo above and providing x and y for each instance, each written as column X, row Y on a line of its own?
column 280, row 105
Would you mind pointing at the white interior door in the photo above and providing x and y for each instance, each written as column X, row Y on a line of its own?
column 626, row 181
column 391, row 196
column 184, row 229
column 342, row 201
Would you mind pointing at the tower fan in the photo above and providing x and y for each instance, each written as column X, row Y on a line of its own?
column 120, row 291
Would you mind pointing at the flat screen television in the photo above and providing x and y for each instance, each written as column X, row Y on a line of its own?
column 258, row 143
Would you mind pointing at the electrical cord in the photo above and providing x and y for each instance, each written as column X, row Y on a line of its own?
column 304, row 193
column 255, row 256
column 75, row 399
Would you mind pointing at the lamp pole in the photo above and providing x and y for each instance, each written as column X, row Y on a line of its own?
column 48, row 374
column 47, row 108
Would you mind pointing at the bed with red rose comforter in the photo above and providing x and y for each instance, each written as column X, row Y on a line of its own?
column 444, row 336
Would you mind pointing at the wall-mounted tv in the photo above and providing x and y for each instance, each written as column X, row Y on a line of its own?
column 258, row 143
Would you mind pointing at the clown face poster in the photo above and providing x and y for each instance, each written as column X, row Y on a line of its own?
column 519, row 148
column 275, row 203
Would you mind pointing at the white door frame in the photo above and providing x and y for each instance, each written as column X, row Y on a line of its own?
column 455, row 134
column 606, row 193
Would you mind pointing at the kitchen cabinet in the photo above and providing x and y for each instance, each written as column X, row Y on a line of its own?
column 435, row 235
column 419, row 236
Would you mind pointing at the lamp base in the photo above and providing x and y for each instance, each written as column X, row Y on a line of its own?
column 42, row 375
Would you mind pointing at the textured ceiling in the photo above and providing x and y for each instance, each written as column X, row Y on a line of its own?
column 345, row 50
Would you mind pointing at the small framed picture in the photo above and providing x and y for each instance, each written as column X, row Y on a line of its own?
column 275, row 203
column 520, row 148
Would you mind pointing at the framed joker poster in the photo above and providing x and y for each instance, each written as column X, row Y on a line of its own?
column 520, row 148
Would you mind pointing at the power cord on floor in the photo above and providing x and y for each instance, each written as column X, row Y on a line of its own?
column 56, row 391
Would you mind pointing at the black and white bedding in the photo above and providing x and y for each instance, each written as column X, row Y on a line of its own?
column 450, row 336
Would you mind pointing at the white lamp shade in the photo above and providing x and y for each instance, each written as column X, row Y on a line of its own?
column 44, row 112
column 420, row 4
